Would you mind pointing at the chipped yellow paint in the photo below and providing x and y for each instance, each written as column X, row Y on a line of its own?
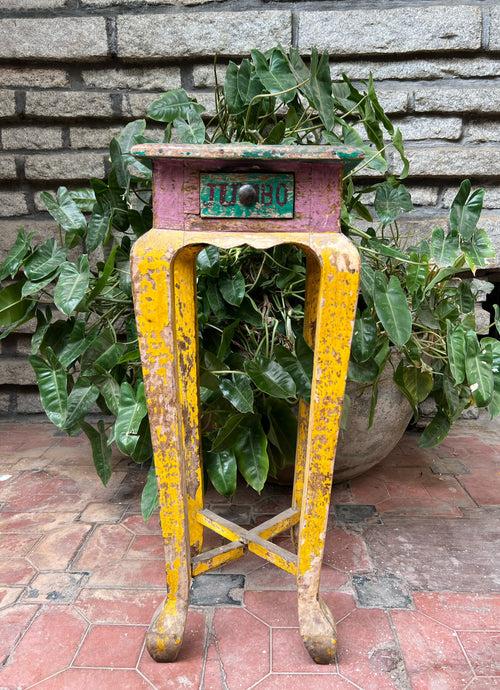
column 165, row 302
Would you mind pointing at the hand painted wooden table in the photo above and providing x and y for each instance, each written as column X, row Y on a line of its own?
column 262, row 196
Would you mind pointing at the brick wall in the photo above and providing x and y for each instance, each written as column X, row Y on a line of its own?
column 73, row 71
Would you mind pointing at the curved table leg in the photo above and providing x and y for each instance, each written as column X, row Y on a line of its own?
column 338, row 290
column 152, row 276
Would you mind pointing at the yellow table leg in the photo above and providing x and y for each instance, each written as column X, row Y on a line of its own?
column 338, row 291
column 186, row 341
column 153, row 290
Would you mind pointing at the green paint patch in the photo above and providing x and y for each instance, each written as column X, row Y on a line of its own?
column 246, row 195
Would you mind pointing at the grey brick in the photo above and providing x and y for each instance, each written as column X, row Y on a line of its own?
column 491, row 197
column 144, row 79
column 68, row 104
column 11, row 76
column 421, row 128
column 454, row 161
column 32, row 137
column 64, row 166
column 7, row 103
column 60, row 38
column 401, row 30
column 5, row 402
column 32, row 4
column 16, row 370
column 483, row 99
column 483, row 130
column 92, row 137
column 495, row 29
column 28, row 401
column 7, row 168
column 393, row 101
column 203, row 75
column 12, row 204
column 126, row 3
column 136, row 104
column 450, row 67
column 201, row 34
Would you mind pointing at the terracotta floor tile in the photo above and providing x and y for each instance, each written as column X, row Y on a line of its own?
column 136, row 524
column 269, row 577
column 56, row 550
column 311, row 681
column 432, row 653
column 13, row 623
column 105, row 546
column 102, row 511
column 483, row 485
column 460, row 611
column 15, row 571
column 367, row 650
column 483, row 651
column 279, row 609
column 57, row 629
column 53, row 588
column 95, row 679
column 132, row 606
column 129, row 573
column 188, row 666
column 16, row 545
column 114, row 646
column 484, row 684
column 423, row 507
column 34, row 523
column 8, row 595
column 290, row 656
column 346, row 551
column 147, row 546
column 236, row 629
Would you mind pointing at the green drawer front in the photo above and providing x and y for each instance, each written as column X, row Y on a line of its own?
column 222, row 196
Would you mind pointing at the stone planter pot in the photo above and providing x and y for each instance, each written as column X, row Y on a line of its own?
column 361, row 448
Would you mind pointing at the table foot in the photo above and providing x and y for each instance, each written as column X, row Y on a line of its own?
column 165, row 634
column 318, row 632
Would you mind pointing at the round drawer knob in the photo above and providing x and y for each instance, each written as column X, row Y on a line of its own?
column 247, row 195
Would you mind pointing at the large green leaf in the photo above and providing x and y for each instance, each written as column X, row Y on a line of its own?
column 149, row 497
column 44, row 261
column 52, row 386
column 417, row 272
column 110, row 391
column 12, row 305
column 478, row 249
column 392, row 308
column 191, row 129
column 233, row 288
column 415, row 382
column 250, row 449
column 101, row 451
column 247, row 82
column 43, row 319
column 320, row 87
column 80, row 402
column 221, row 468
column 98, row 227
column 65, row 211
column 465, row 210
column 227, row 434
column 173, row 105
column 364, row 337
column 16, row 255
column 444, row 248
column 84, row 198
column 131, row 412
column 391, row 201
column 282, row 431
column 131, row 134
column 436, row 431
column 275, row 75
column 365, row 372
column 207, row 261
column 75, row 344
column 233, row 99
column 478, row 370
column 271, row 378
column 30, row 288
column 72, row 285
column 455, row 346
column 238, row 390
column 298, row 365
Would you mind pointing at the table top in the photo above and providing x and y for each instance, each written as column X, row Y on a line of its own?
column 310, row 153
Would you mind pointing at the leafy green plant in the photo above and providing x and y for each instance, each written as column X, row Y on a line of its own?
column 255, row 364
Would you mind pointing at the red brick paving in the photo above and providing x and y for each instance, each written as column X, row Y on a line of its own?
column 81, row 575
